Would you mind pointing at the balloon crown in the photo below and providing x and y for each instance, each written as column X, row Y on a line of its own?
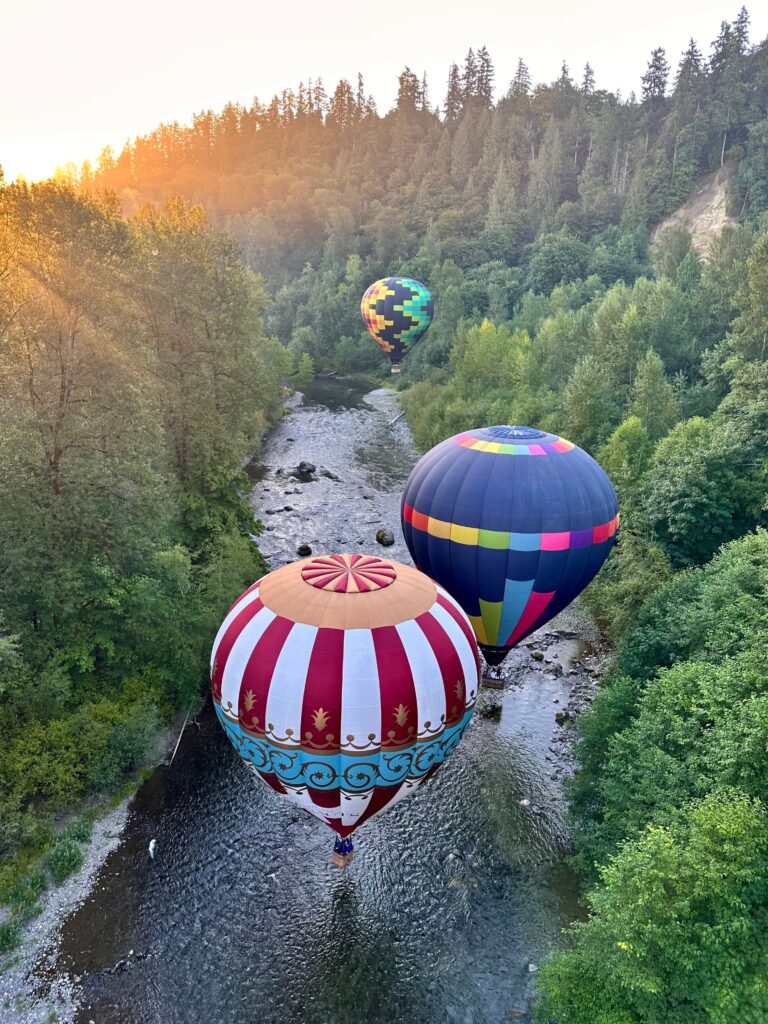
column 349, row 574
column 518, row 433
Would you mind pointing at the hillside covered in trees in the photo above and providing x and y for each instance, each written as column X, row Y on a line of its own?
column 482, row 200
column 530, row 217
column 136, row 379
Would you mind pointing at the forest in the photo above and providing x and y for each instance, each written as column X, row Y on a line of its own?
column 144, row 361
column 136, row 380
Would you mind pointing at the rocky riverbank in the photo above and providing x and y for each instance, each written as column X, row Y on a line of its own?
column 26, row 998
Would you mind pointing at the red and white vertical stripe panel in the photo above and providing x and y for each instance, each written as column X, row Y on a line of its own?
column 355, row 693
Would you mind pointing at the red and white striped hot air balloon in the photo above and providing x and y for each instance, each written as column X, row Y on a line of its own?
column 344, row 682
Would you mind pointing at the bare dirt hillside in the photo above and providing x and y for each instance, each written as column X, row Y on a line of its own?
column 704, row 214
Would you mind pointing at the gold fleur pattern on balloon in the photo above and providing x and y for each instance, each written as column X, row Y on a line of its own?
column 320, row 718
column 401, row 713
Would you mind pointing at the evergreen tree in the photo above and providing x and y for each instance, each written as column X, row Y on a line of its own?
column 689, row 70
column 741, row 31
column 653, row 399
column 485, row 77
column 564, row 81
column 320, row 99
column 591, row 409
column 453, row 97
column 588, row 80
column 408, row 92
column 730, row 90
column 469, row 81
column 655, row 78
column 521, row 83
column 424, row 93
column 342, row 108
column 301, row 102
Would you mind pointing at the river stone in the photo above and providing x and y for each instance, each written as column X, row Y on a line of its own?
column 306, row 467
column 304, row 550
column 537, row 656
column 385, row 538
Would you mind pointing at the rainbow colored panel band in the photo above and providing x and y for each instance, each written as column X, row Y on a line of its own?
column 497, row 448
column 503, row 541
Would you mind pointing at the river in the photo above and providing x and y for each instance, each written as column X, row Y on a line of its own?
column 454, row 895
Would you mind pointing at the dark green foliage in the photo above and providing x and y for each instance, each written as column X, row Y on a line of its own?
column 667, row 813
column 23, row 898
column 9, row 935
column 29, row 888
column 670, row 249
column 677, row 932
column 64, row 860
column 701, row 489
column 633, row 574
column 711, row 613
column 556, row 259
column 136, row 379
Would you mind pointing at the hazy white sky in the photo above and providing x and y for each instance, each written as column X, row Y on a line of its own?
column 77, row 75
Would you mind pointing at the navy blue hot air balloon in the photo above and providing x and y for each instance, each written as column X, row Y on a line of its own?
column 513, row 522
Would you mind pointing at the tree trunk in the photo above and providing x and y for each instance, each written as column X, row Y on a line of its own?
column 624, row 172
column 725, row 136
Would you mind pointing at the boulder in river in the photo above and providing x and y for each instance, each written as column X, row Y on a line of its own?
column 304, row 550
column 385, row 538
column 537, row 656
column 306, row 467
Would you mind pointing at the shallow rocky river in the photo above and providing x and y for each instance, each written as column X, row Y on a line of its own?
column 454, row 895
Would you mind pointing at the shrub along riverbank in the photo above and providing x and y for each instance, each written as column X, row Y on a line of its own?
column 136, row 378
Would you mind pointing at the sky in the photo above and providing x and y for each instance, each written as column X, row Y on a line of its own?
column 78, row 75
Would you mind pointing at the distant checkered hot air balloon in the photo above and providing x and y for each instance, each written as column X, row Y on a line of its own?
column 513, row 522
column 344, row 682
column 397, row 312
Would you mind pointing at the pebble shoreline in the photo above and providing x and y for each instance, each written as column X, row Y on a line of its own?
column 21, row 1001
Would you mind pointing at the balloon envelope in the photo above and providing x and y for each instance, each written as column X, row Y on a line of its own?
column 344, row 682
column 397, row 312
column 513, row 522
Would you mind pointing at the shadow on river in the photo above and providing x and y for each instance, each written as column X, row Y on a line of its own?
column 452, row 894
